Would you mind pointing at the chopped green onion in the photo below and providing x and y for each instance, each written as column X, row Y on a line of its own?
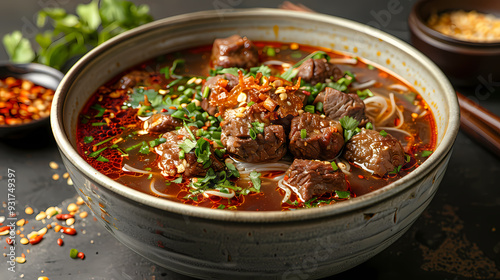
column 133, row 147
column 383, row 133
column 100, row 110
column 102, row 159
column 370, row 67
column 303, row 133
column 407, row 158
column 150, row 176
column 182, row 154
column 96, row 153
column 144, row 148
column 309, row 108
column 334, row 166
column 221, row 206
column 220, row 152
column 396, row 170
column 250, row 103
column 270, row 51
column 319, row 106
column 369, row 125
column 343, row 194
column 99, row 123
column 73, row 253
column 104, row 141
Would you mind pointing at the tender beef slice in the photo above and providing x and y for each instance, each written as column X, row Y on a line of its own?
column 169, row 162
column 234, row 51
column 267, row 146
column 215, row 85
column 323, row 139
column 318, row 70
column 133, row 79
column 161, row 123
column 374, row 151
column 338, row 104
column 310, row 178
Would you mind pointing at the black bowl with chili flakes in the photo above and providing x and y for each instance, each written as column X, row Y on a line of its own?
column 26, row 92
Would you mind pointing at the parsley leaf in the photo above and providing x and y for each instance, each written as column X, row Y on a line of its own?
column 350, row 126
column 144, row 148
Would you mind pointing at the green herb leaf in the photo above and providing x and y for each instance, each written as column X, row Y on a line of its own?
column 309, row 108
column 178, row 180
column 232, row 70
column 102, row 159
column 187, row 145
column 18, row 48
column 256, row 128
column 255, row 178
column 144, row 148
column 265, row 70
column 349, row 125
column 88, row 139
column 383, row 133
column 96, row 153
column 232, row 170
column 343, row 194
column 363, row 94
column 396, row 170
column 426, row 153
column 100, row 110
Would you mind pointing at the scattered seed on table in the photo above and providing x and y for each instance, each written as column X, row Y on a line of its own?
column 64, row 216
column 70, row 221
column 66, row 175
column 42, row 231
column 20, row 223
column 79, row 201
column 20, row 260
column 72, row 207
column 57, row 228
column 55, row 177
column 8, row 240
column 69, row 182
column 43, row 278
column 36, row 240
column 2, row 218
column 53, row 165
column 83, row 215
column 40, row 216
column 24, row 241
column 60, row 242
column 28, row 210
column 67, row 230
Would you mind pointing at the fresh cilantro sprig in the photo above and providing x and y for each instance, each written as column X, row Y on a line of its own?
column 350, row 126
column 73, row 35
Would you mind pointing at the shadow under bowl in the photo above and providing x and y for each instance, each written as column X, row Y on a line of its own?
column 465, row 63
column 39, row 74
column 221, row 244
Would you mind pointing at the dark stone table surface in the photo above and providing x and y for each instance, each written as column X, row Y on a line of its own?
column 457, row 237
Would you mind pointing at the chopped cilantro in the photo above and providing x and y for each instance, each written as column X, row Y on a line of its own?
column 255, row 178
column 232, row 170
column 343, row 194
column 266, row 71
column 426, row 153
column 350, row 126
column 144, row 148
column 187, row 145
column 88, row 139
column 96, row 153
column 309, row 108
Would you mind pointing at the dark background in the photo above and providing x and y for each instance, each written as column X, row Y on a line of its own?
column 457, row 237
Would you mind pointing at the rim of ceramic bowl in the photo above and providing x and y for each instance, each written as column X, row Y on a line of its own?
column 251, row 216
column 36, row 73
column 416, row 18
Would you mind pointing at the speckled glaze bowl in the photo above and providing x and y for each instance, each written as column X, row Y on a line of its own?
column 209, row 243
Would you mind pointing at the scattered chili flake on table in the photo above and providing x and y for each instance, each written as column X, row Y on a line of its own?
column 21, row 101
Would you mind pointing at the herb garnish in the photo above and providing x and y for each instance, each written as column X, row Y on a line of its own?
column 102, row 159
column 88, row 139
column 255, row 178
column 383, row 133
column 256, row 128
column 396, row 170
column 350, row 126
column 363, row 94
column 426, row 153
column 303, row 133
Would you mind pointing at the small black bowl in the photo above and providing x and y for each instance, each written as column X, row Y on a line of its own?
column 39, row 74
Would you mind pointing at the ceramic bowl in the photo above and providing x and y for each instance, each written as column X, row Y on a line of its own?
column 210, row 243
column 39, row 74
column 465, row 63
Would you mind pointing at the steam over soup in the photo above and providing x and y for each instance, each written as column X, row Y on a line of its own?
column 245, row 125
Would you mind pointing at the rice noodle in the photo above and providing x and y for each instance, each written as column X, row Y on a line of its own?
column 380, row 104
column 422, row 114
column 218, row 193
column 284, row 186
column 343, row 61
column 155, row 191
column 274, row 62
column 393, row 109
column 401, row 117
column 128, row 168
column 356, row 86
column 247, row 168
column 399, row 87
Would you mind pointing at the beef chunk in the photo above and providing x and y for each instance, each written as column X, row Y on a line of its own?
column 133, row 79
column 217, row 84
column 310, row 178
column 162, row 123
column 170, row 163
column 318, row 70
column 374, row 151
column 323, row 138
column 234, row 51
column 269, row 145
column 338, row 104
